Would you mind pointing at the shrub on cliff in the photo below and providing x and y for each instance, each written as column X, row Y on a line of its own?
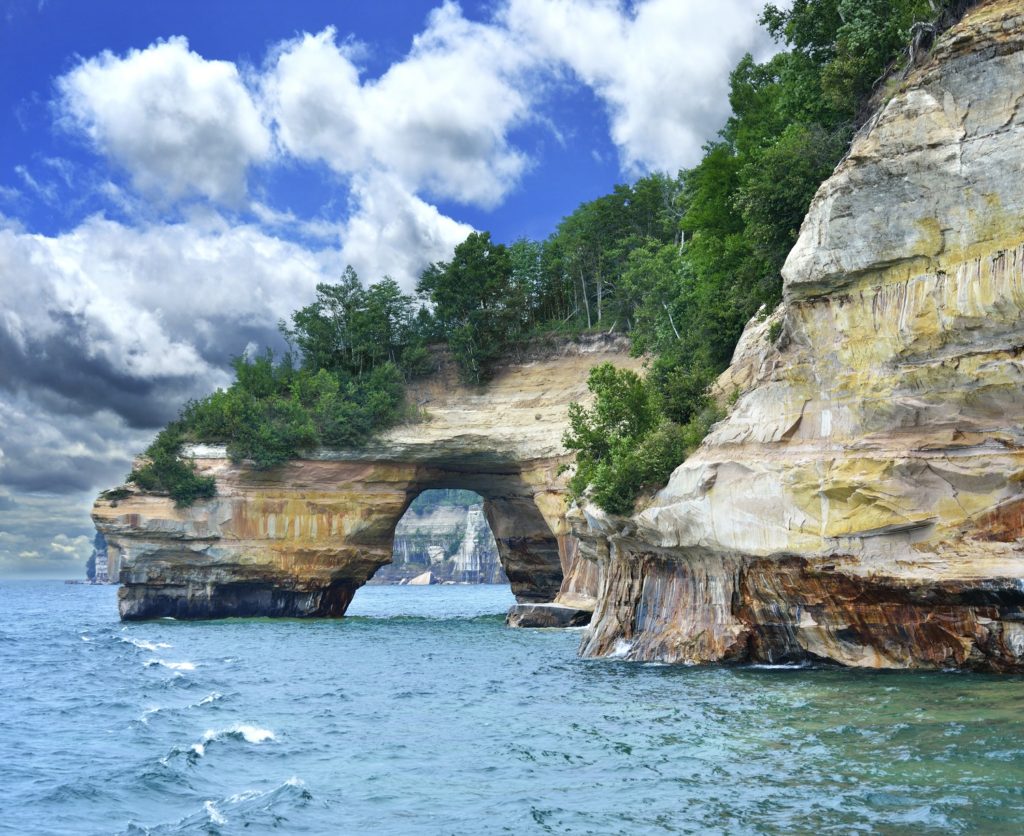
column 274, row 412
column 356, row 347
column 623, row 443
column 165, row 471
column 477, row 302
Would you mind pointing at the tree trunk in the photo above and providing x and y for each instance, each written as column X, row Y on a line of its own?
column 670, row 320
column 586, row 300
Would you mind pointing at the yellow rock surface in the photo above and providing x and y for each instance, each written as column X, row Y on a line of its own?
column 862, row 501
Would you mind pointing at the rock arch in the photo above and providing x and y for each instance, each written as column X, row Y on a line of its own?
column 300, row 539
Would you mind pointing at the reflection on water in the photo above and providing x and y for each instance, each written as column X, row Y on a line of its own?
column 423, row 713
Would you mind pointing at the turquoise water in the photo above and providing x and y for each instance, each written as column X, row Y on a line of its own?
column 424, row 714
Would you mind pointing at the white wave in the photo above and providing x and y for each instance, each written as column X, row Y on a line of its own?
column 788, row 666
column 142, row 644
column 85, row 638
column 198, row 749
column 174, row 666
column 245, row 795
column 250, row 734
column 249, row 795
column 149, row 712
column 209, row 698
column 620, row 649
column 215, row 815
column 241, row 806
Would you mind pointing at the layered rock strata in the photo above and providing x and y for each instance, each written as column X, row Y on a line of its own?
column 863, row 501
column 300, row 539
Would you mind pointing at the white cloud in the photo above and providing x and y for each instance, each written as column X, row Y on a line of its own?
column 80, row 546
column 47, row 192
column 133, row 319
column 661, row 66
column 178, row 123
column 392, row 232
column 437, row 121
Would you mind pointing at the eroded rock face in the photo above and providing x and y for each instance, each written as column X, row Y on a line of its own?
column 299, row 540
column 863, row 501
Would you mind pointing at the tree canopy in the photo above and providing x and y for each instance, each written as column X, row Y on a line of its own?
column 680, row 263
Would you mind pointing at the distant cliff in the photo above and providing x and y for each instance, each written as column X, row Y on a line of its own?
column 453, row 542
column 863, row 501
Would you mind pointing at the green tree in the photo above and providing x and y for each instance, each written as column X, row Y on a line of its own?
column 477, row 304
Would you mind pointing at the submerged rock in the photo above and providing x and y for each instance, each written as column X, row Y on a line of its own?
column 546, row 615
column 863, row 501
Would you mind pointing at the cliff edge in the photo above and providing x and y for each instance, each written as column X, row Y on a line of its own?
column 862, row 503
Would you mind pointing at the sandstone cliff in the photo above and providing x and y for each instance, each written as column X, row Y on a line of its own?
column 300, row 539
column 863, row 501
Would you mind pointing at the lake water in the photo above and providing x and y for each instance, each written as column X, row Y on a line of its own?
column 423, row 713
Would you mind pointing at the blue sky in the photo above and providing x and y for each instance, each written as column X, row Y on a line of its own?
column 176, row 177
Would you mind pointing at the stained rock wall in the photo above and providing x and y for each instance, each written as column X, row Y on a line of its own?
column 300, row 539
column 863, row 501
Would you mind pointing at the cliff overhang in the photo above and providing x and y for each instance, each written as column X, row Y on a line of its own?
column 300, row 539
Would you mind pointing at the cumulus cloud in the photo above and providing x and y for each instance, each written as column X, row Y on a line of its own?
column 152, row 302
column 178, row 123
column 392, row 232
column 107, row 329
column 661, row 67
column 436, row 121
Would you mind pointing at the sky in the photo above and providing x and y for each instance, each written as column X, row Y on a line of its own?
column 175, row 178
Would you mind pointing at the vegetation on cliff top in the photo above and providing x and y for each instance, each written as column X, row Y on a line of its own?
column 738, row 213
column 680, row 264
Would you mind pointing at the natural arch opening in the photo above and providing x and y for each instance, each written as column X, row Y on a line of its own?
column 527, row 548
column 443, row 538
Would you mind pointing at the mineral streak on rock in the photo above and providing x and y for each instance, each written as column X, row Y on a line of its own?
column 862, row 503
column 300, row 539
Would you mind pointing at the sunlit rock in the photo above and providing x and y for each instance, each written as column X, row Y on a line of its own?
column 300, row 539
column 863, row 501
